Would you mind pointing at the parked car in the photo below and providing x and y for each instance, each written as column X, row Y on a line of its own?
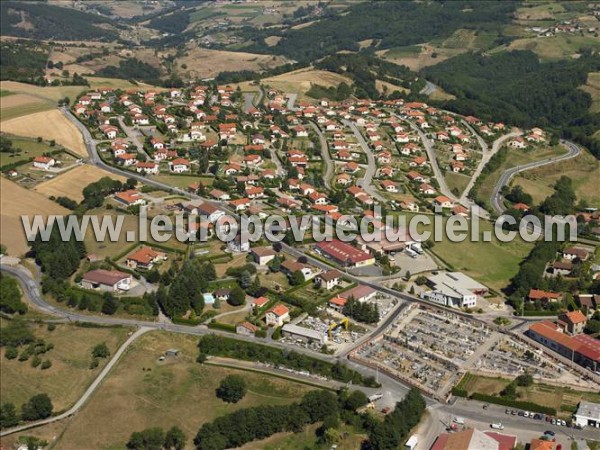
column 550, row 433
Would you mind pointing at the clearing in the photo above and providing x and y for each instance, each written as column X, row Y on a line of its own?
column 583, row 170
column 50, row 125
column 592, row 87
column 72, row 182
column 14, row 202
column 149, row 393
column 553, row 48
column 69, row 375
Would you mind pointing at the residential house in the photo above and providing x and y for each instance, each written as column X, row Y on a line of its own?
column 246, row 328
column 145, row 258
column 106, row 280
column 277, row 315
column 263, row 255
column 43, row 162
column 329, row 279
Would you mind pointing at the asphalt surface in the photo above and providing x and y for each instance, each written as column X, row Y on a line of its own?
column 496, row 199
column 392, row 389
column 329, row 166
column 371, row 165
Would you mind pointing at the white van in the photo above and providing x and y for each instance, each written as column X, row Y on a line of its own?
column 497, row 426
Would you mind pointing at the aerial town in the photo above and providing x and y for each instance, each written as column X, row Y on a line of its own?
column 403, row 337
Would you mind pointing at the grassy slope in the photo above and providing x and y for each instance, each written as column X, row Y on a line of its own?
column 69, row 375
column 178, row 392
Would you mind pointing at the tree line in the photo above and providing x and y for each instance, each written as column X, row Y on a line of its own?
column 250, row 351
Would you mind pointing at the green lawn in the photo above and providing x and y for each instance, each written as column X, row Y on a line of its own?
column 492, row 263
column 30, row 148
column 559, row 397
column 456, row 181
column 5, row 93
column 182, row 181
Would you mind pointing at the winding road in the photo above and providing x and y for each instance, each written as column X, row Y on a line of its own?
column 395, row 389
column 573, row 150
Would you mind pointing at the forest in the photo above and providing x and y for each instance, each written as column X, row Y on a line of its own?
column 132, row 69
column 23, row 60
column 516, row 88
column 52, row 22
column 392, row 24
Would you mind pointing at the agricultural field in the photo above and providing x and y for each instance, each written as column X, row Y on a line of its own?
column 416, row 57
column 50, row 125
column 177, row 391
column 50, row 93
column 584, row 171
column 300, row 81
column 69, row 375
column 71, row 183
column 16, row 105
column 14, row 202
column 206, row 63
column 553, row 48
column 562, row 398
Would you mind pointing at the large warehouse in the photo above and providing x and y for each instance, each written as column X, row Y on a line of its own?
column 454, row 289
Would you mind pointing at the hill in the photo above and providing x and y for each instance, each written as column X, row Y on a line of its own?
column 42, row 21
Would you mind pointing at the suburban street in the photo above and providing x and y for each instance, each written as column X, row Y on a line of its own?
column 371, row 165
column 329, row 165
column 573, row 151
column 393, row 390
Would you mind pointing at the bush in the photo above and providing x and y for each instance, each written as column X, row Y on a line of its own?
column 101, row 351
column 11, row 353
column 232, row 389
column 46, row 364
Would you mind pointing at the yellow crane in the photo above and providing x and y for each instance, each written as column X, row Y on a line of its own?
column 335, row 325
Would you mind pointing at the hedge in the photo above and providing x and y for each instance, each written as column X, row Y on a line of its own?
column 459, row 392
column 527, row 406
column 221, row 326
column 182, row 321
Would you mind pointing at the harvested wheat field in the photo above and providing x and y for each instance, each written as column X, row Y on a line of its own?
column 17, row 105
column 71, row 183
column 14, row 202
column 49, row 125
column 205, row 63
column 300, row 81
column 50, row 93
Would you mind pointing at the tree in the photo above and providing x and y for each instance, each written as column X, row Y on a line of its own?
column 297, row 278
column 237, row 297
column 232, row 389
column 245, row 279
column 8, row 415
column 175, row 439
column 38, row 407
column 149, row 439
column 524, row 380
column 109, row 304
column 101, row 351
